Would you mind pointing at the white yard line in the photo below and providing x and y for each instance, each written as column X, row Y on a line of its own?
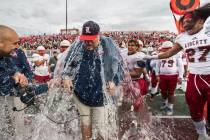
column 171, row 117
column 174, row 94
column 179, row 94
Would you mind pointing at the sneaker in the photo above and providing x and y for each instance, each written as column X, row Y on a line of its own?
column 203, row 137
column 169, row 111
column 163, row 106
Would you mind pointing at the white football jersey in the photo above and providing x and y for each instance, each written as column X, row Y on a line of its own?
column 133, row 59
column 170, row 66
column 197, row 48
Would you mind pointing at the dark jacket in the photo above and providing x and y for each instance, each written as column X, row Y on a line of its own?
column 8, row 67
column 21, row 62
column 103, row 65
column 7, row 70
column 88, row 81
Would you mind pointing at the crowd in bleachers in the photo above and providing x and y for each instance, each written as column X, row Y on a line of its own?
column 48, row 41
column 149, row 39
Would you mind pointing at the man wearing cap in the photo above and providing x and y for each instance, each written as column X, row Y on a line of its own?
column 56, row 58
column 92, row 71
column 63, row 46
column 41, row 59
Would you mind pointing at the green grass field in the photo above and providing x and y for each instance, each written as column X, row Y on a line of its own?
column 180, row 106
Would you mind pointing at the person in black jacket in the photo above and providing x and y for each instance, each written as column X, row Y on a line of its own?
column 14, row 80
column 10, row 77
column 20, row 60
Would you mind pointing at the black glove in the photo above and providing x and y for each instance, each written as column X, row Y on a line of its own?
column 27, row 99
column 27, row 94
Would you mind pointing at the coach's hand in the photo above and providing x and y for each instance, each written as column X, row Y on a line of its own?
column 56, row 82
column 67, row 84
column 111, row 88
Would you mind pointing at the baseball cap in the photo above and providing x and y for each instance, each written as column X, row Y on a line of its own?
column 65, row 43
column 90, row 31
column 40, row 48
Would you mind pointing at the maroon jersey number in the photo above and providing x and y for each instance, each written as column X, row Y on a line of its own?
column 169, row 62
column 204, row 52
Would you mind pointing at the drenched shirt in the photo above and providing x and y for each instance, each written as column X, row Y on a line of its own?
column 20, row 60
column 88, row 82
column 7, row 70
column 8, row 67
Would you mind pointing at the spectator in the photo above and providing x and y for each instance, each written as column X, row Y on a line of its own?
column 63, row 46
column 41, row 59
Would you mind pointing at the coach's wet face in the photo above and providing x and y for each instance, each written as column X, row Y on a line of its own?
column 92, row 44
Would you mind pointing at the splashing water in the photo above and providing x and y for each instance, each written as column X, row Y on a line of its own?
column 59, row 118
column 7, row 130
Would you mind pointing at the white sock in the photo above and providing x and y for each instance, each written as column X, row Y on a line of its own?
column 200, row 127
column 170, row 105
column 154, row 90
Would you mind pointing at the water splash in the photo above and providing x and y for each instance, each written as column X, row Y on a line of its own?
column 7, row 128
column 59, row 118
